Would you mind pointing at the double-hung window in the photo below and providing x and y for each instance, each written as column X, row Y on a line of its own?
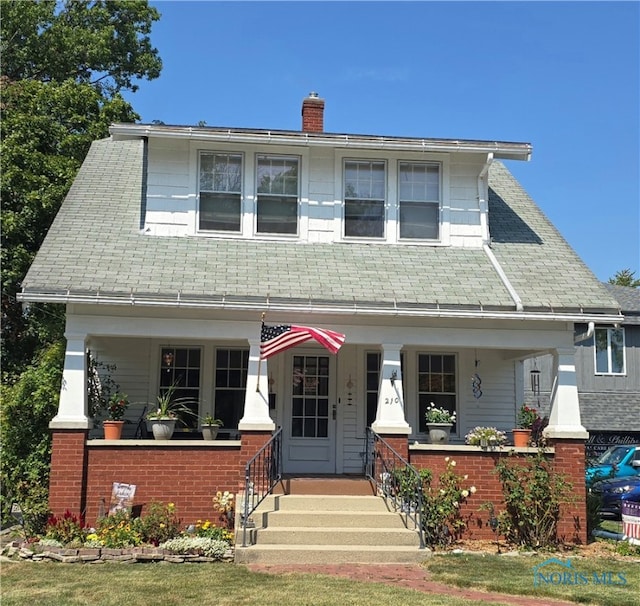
column 364, row 199
column 609, row 351
column 419, row 200
column 220, row 192
column 278, row 191
column 180, row 373
column 436, row 383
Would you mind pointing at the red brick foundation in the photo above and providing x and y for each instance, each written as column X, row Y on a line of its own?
column 68, row 471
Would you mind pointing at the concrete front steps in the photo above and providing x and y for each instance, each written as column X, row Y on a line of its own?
column 328, row 529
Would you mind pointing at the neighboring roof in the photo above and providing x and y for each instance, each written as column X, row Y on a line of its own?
column 505, row 150
column 629, row 300
column 611, row 411
column 95, row 252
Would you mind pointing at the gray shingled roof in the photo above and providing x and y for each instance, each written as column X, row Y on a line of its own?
column 629, row 301
column 95, row 245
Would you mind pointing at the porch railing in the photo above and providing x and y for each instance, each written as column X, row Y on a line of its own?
column 396, row 480
column 261, row 474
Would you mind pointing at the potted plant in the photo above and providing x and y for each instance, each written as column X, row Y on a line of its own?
column 439, row 423
column 485, row 437
column 116, row 407
column 527, row 416
column 164, row 418
column 210, row 427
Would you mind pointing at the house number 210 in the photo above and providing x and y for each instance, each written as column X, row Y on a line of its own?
column 390, row 401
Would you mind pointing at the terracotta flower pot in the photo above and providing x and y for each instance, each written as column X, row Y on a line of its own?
column 521, row 437
column 112, row 429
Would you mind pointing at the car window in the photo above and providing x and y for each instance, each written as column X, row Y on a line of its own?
column 613, row 456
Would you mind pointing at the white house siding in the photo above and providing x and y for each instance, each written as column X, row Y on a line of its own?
column 171, row 202
column 172, row 181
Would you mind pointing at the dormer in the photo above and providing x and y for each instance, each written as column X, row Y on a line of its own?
column 314, row 186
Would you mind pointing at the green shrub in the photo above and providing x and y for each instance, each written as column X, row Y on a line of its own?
column 533, row 493
column 117, row 530
column 160, row 524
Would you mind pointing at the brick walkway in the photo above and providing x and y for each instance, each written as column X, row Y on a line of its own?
column 411, row 576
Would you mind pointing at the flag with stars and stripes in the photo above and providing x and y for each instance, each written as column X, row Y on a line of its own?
column 275, row 339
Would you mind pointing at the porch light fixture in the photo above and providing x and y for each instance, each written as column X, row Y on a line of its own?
column 167, row 358
column 534, row 375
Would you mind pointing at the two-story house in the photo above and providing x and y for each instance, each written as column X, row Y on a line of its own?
column 607, row 375
column 425, row 253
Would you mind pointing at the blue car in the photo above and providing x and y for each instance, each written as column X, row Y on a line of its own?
column 613, row 492
column 617, row 462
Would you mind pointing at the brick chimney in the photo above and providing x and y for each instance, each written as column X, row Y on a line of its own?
column 313, row 114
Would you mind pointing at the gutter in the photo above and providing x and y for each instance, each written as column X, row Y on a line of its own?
column 501, row 149
column 335, row 308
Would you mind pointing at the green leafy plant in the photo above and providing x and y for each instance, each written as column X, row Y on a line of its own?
column 118, row 404
column 161, row 523
column 100, row 385
column 118, row 530
column 210, row 421
column 170, row 407
column 436, row 414
column 485, row 436
column 533, row 493
column 442, row 521
column 527, row 416
column 209, row 530
column 67, row 528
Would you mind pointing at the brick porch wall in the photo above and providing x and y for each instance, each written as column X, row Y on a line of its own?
column 68, row 471
column 479, row 466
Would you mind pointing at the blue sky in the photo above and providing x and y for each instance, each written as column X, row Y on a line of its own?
column 563, row 76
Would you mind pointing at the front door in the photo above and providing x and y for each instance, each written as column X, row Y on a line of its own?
column 309, row 426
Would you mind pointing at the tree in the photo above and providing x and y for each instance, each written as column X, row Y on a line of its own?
column 625, row 277
column 63, row 65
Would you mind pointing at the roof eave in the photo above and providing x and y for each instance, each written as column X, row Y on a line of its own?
column 500, row 149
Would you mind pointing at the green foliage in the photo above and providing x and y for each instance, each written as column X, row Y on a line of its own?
column 98, row 42
column 533, row 493
column 100, row 386
column 118, row 530
column 160, row 524
column 66, row 529
column 27, row 408
column 625, row 277
column 206, row 546
column 441, row 518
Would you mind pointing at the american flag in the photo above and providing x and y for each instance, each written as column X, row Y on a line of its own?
column 275, row 339
column 631, row 521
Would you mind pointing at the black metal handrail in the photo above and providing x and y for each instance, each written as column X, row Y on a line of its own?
column 396, row 480
column 261, row 474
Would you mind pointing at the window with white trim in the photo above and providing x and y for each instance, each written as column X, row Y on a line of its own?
column 437, row 384
column 609, row 351
column 277, row 195
column 364, row 199
column 180, row 369
column 419, row 200
column 231, row 385
column 220, row 183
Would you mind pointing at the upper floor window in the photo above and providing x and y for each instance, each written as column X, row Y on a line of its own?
column 220, row 191
column 364, row 199
column 277, row 199
column 419, row 200
column 609, row 351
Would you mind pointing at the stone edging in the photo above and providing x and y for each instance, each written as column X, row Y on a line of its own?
column 39, row 553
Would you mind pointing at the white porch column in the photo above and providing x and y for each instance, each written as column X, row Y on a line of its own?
column 390, row 417
column 256, row 402
column 72, row 408
column 564, row 420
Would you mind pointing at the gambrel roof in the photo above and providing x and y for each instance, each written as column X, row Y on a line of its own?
column 96, row 252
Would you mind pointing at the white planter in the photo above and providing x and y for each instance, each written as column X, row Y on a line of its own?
column 163, row 428
column 439, row 432
column 209, row 432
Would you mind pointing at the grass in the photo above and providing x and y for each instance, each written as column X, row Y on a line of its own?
column 54, row 584
column 583, row 583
